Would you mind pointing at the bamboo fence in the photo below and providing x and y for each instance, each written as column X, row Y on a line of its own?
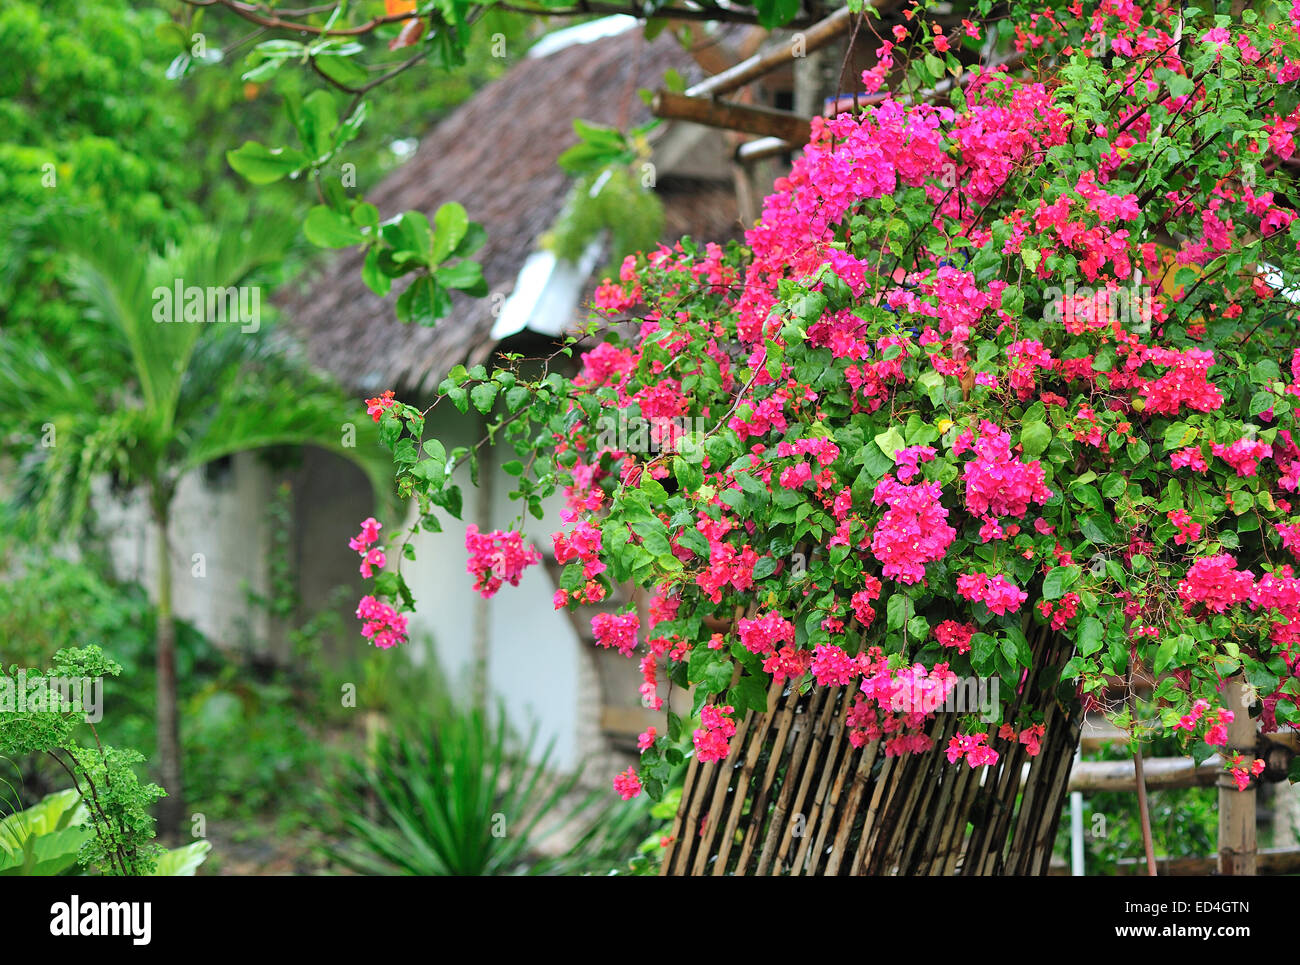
column 795, row 797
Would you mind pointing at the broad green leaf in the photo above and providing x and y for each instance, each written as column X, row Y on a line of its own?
column 1035, row 437
column 326, row 228
column 449, row 226
column 260, row 165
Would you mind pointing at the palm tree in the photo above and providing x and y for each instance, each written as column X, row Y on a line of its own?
column 146, row 401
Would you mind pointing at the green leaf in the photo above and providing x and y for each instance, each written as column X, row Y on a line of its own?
column 466, row 276
column 1261, row 402
column 259, row 164
column 890, row 442
column 410, row 235
column 375, row 279
column 1091, row 636
column 775, row 13
column 710, row 669
column 423, row 302
column 475, row 238
column 1165, row 654
column 899, row 610
column 1035, row 437
column 749, row 693
column 365, row 215
column 182, row 862
column 342, row 70
column 326, row 228
column 317, row 121
column 1087, row 496
column 484, row 395
column 1059, row 580
column 449, row 226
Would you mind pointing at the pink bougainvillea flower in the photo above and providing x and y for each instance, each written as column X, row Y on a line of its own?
column 616, row 631
column 376, row 407
column 627, row 784
column 712, row 741
column 1215, row 582
column 912, row 532
column 382, row 625
column 497, row 558
column 999, row 594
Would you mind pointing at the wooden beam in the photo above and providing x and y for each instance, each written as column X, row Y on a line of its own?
column 764, row 121
column 1162, row 773
column 1270, row 861
column 762, row 148
column 815, row 37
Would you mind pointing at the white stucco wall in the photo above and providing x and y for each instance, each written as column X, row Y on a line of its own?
column 536, row 664
column 219, row 538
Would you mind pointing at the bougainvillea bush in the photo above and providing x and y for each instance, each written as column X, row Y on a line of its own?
column 1011, row 358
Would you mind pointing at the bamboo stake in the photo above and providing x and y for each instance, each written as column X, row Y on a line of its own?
column 1237, row 847
column 812, row 760
column 1041, row 856
column 932, row 782
column 844, row 822
column 884, row 791
column 953, row 841
column 758, row 731
column 721, row 783
column 814, row 38
column 758, row 810
column 730, row 116
column 835, row 765
column 804, row 729
column 675, row 844
column 852, row 765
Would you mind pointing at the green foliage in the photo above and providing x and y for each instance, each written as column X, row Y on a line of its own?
column 611, row 199
column 182, row 862
column 117, row 803
column 178, row 393
column 46, row 838
column 110, row 114
column 1184, row 821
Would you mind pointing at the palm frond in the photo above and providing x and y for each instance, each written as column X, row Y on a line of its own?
column 249, row 391
column 135, row 294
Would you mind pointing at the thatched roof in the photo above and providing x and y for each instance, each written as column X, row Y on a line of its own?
column 497, row 156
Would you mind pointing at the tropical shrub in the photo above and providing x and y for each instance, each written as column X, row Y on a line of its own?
column 42, row 714
column 454, row 795
column 47, row 838
column 1018, row 363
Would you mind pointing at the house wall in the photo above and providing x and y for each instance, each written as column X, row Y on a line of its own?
column 219, row 538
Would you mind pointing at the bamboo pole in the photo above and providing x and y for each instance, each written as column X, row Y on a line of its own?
column 758, row 810
column 814, row 38
column 845, row 820
column 1095, row 777
column 1237, row 848
column 721, row 781
column 836, row 765
column 758, row 732
column 813, row 764
column 857, row 768
column 803, row 730
column 675, row 843
column 1269, row 861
